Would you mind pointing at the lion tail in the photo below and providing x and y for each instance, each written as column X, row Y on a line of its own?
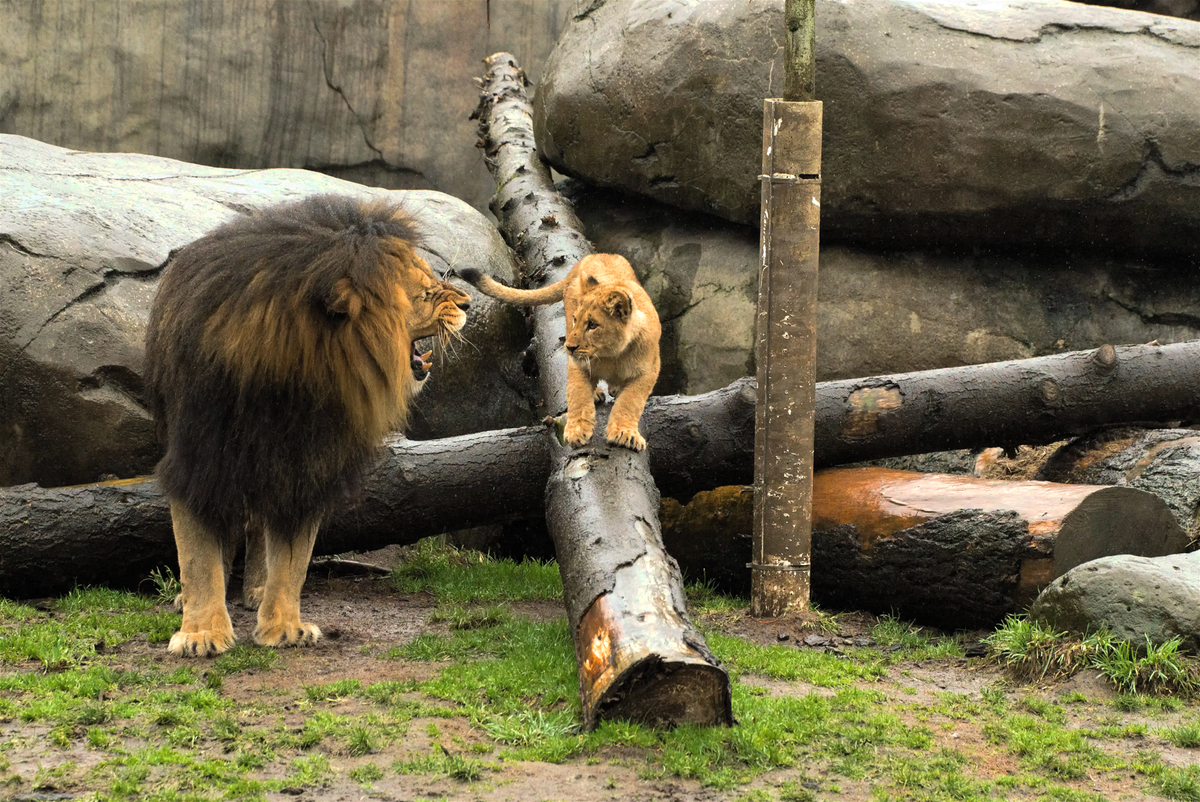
column 549, row 294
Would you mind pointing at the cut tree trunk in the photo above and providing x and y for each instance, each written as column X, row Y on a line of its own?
column 1165, row 462
column 1021, row 402
column 640, row 657
column 97, row 534
column 115, row 533
column 953, row 551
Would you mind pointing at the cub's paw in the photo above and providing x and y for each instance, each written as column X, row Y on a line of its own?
column 578, row 433
column 297, row 634
column 627, row 438
column 252, row 597
column 204, row 643
column 598, row 396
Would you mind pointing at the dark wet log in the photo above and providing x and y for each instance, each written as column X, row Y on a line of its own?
column 1022, row 402
column 1165, row 462
column 115, row 533
column 640, row 657
column 952, row 551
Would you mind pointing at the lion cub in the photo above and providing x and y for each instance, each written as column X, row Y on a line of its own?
column 612, row 335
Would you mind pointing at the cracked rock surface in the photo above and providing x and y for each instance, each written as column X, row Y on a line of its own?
column 374, row 91
column 1003, row 123
column 880, row 311
column 83, row 238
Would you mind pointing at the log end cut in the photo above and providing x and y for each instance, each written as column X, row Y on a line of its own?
column 666, row 694
column 1117, row 520
column 646, row 663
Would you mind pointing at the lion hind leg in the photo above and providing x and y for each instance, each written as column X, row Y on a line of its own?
column 206, row 629
column 254, row 573
column 279, row 621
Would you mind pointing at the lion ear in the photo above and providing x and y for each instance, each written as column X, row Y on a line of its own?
column 591, row 281
column 344, row 299
column 618, row 304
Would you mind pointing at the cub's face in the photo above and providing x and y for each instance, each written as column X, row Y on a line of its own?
column 601, row 324
column 438, row 307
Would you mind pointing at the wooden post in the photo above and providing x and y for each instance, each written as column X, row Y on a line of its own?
column 786, row 347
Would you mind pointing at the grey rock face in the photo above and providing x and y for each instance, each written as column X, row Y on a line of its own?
column 879, row 311
column 998, row 123
column 1134, row 597
column 375, row 91
column 1189, row 9
column 83, row 238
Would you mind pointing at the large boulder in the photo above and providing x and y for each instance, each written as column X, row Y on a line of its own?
column 1174, row 8
column 83, row 238
column 1000, row 123
column 375, row 91
column 1133, row 597
column 880, row 311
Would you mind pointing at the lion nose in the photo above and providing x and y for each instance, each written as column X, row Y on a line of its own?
column 463, row 305
column 572, row 348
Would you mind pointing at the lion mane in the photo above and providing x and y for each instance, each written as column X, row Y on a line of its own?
column 278, row 355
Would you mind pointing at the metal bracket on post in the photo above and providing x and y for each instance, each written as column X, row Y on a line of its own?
column 786, row 353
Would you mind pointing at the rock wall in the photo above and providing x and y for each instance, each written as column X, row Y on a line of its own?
column 1189, row 9
column 374, row 91
column 83, row 238
column 1007, row 124
column 879, row 311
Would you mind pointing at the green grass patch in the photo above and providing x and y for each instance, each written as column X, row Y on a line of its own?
column 789, row 663
column 1186, row 735
column 466, row 576
column 1032, row 650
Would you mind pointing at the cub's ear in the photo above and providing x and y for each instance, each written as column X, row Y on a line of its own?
column 591, row 281
column 618, row 304
column 344, row 299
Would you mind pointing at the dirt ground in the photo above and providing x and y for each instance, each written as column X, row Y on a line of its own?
column 362, row 616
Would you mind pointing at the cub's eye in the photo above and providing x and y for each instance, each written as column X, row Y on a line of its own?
column 591, row 324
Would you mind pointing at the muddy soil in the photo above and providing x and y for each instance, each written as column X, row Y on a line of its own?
column 363, row 616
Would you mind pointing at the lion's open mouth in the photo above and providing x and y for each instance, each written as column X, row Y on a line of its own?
column 420, row 362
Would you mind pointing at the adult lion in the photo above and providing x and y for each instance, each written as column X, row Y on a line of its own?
column 279, row 353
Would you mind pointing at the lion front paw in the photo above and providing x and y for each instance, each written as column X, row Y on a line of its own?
column 204, row 643
column 293, row 634
column 627, row 438
column 578, row 433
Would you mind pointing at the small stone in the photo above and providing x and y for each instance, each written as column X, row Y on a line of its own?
column 979, row 649
column 782, row 636
column 816, row 640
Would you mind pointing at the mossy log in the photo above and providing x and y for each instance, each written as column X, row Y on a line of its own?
column 954, row 551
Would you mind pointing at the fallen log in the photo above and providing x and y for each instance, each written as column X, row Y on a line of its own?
column 115, row 533
column 953, row 551
column 1165, row 462
column 51, row 538
column 1020, row 402
column 640, row 657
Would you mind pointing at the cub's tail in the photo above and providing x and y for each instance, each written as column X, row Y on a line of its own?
column 549, row 294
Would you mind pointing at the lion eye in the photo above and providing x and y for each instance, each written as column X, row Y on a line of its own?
column 592, row 325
